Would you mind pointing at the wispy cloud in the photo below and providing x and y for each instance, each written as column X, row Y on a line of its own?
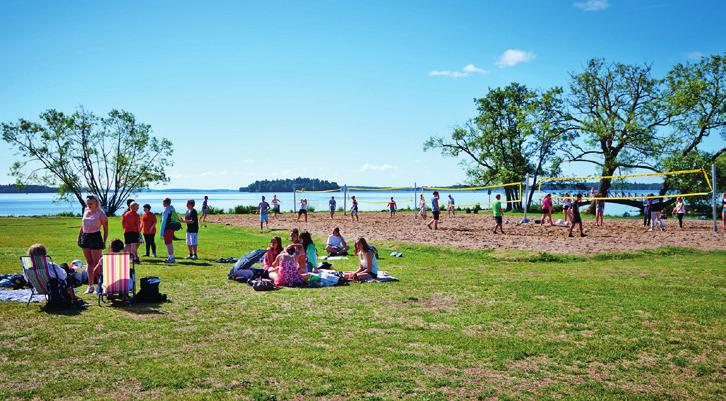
column 695, row 55
column 592, row 5
column 375, row 167
column 512, row 57
column 468, row 69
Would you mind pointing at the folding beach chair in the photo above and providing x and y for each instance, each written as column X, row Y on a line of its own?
column 37, row 271
column 118, row 277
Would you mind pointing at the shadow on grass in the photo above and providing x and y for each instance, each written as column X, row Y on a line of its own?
column 146, row 308
column 61, row 311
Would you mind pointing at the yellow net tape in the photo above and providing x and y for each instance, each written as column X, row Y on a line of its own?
column 378, row 189
column 511, row 184
column 539, row 189
column 322, row 191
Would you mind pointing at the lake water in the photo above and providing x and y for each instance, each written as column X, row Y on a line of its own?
column 46, row 204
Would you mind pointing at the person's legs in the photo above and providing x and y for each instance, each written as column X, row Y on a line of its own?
column 306, row 216
column 582, row 233
column 88, row 255
column 680, row 219
column 148, row 245
column 168, row 241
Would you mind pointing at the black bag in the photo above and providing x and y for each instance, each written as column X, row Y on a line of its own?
column 246, row 262
column 173, row 223
column 262, row 284
column 149, row 291
column 58, row 294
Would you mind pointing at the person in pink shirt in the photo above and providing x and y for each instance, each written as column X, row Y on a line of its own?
column 89, row 236
column 546, row 209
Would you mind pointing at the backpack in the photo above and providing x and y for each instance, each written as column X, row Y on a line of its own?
column 149, row 291
column 246, row 262
column 173, row 222
column 58, row 294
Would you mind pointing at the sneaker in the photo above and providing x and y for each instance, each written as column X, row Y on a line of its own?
column 193, row 257
column 170, row 259
column 146, row 255
column 89, row 290
column 189, row 257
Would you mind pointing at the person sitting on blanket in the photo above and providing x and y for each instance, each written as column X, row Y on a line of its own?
column 54, row 270
column 311, row 253
column 368, row 267
column 273, row 250
column 299, row 249
column 285, row 271
column 336, row 245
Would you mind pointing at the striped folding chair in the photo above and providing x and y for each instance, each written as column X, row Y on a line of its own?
column 37, row 271
column 118, row 278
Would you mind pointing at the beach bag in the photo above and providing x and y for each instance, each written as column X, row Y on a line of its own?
column 149, row 291
column 328, row 279
column 58, row 294
column 246, row 262
column 173, row 223
column 262, row 284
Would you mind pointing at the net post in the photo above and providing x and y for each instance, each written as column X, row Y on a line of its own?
column 345, row 199
column 715, row 198
column 294, row 197
column 413, row 205
column 526, row 194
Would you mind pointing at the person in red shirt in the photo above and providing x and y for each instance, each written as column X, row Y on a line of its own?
column 131, row 223
column 148, row 228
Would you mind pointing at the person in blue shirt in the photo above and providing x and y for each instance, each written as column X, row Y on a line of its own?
column 436, row 211
column 332, row 204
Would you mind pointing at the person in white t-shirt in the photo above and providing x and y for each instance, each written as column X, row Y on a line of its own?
column 336, row 245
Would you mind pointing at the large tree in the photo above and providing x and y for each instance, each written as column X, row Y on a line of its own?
column 109, row 156
column 698, row 98
column 516, row 132
column 617, row 111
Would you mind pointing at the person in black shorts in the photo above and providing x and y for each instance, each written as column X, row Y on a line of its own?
column 576, row 218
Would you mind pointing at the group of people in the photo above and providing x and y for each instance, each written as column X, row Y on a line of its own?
column 291, row 265
column 137, row 229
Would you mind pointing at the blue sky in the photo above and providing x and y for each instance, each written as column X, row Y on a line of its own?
column 339, row 90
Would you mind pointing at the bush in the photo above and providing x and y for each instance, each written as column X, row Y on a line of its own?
column 214, row 210
column 242, row 209
column 476, row 208
column 67, row 214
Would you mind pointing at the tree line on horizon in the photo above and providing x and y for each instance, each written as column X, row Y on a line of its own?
column 289, row 185
column 617, row 117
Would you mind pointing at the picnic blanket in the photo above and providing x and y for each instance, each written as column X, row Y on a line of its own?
column 334, row 258
column 22, row 295
column 383, row 277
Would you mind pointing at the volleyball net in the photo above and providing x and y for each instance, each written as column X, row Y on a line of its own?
column 632, row 196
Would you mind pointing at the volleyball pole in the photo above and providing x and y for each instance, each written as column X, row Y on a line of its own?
column 715, row 198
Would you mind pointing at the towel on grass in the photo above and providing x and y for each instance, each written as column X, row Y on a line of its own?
column 19, row 295
column 334, row 258
column 383, row 277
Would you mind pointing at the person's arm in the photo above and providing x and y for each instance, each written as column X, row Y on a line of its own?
column 104, row 224
column 369, row 262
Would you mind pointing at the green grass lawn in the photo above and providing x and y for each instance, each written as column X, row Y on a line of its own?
column 459, row 325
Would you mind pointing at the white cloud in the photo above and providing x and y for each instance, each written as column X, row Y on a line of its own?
column 468, row 69
column 248, row 161
column 592, row 5
column 512, row 57
column 373, row 167
column 695, row 55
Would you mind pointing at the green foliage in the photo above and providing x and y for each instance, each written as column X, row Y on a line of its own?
column 243, row 209
column 214, row 210
column 288, row 185
column 109, row 156
column 516, row 132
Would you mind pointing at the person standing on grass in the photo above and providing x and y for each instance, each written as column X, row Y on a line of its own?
column 354, row 209
column 275, row 205
column 303, row 209
column 679, row 211
column 90, row 238
column 451, row 206
column 547, row 209
column 422, row 207
column 435, row 211
column 131, row 223
column 576, row 219
column 392, row 208
column 148, row 228
column 332, row 204
column 168, row 219
column 599, row 209
column 498, row 213
column 264, row 209
column 192, row 221
column 205, row 210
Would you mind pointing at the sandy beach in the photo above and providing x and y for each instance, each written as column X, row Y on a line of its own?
column 475, row 231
